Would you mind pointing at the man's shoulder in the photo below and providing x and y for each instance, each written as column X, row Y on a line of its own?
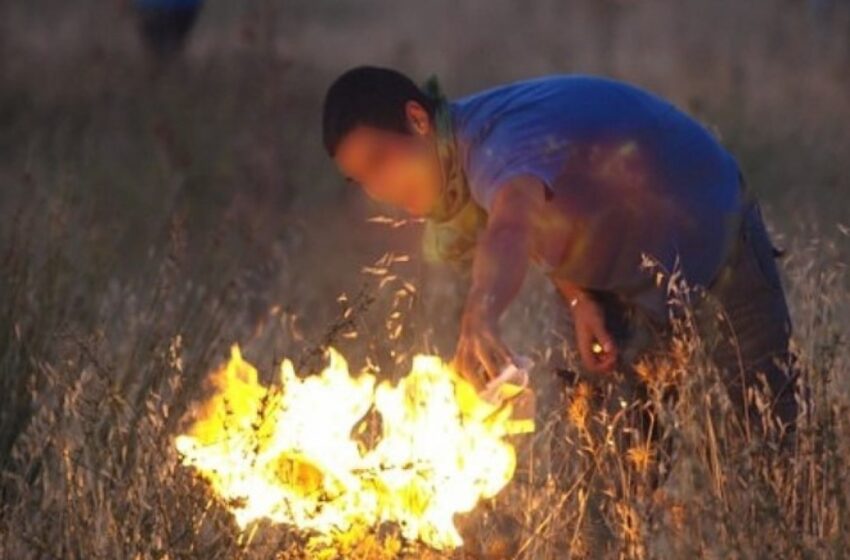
column 551, row 82
column 555, row 102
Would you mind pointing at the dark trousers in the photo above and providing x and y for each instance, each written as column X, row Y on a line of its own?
column 751, row 337
column 742, row 318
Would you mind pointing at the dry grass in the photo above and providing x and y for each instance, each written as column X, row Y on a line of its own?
column 145, row 224
column 91, row 471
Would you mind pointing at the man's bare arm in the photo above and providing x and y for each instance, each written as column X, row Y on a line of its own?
column 503, row 252
column 501, row 262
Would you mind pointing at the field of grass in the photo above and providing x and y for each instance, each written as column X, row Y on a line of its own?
column 148, row 219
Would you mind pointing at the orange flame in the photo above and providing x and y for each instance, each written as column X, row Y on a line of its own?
column 287, row 454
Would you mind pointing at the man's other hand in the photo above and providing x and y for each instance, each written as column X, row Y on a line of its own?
column 595, row 345
column 481, row 355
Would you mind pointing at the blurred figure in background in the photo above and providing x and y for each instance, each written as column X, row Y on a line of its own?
column 165, row 24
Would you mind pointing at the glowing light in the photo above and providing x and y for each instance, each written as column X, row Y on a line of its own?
column 291, row 454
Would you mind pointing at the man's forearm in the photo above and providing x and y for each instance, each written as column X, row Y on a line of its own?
column 503, row 253
column 501, row 262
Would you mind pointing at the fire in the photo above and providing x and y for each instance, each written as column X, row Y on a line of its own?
column 288, row 453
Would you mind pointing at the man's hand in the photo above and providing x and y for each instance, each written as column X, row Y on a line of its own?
column 481, row 355
column 595, row 345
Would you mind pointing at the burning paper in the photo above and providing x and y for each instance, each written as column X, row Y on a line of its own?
column 289, row 453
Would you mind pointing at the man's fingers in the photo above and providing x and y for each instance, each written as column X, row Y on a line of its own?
column 462, row 362
column 481, row 357
column 596, row 348
column 459, row 359
column 604, row 339
column 493, row 357
column 584, row 343
column 607, row 358
column 466, row 365
column 605, row 361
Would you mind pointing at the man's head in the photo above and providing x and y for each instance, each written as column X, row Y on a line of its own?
column 378, row 127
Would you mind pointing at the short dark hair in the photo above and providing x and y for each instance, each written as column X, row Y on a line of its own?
column 368, row 95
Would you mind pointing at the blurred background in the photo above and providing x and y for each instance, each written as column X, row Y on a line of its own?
column 185, row 134
column 164, row 191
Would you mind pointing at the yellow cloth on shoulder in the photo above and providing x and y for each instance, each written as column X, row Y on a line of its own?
column 452, row 227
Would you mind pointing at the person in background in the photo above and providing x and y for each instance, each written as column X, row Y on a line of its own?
column 164, row 25
column 585, row 177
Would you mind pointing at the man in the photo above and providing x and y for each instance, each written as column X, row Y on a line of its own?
column 583, row 176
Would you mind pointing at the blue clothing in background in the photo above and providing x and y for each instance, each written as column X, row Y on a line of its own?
column 165, row 24
column 168, row 4
column 629, row 173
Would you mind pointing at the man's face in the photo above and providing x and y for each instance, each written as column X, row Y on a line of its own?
column 394, row 168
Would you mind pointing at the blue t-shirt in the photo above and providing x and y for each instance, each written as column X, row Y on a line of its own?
column 629, row 173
